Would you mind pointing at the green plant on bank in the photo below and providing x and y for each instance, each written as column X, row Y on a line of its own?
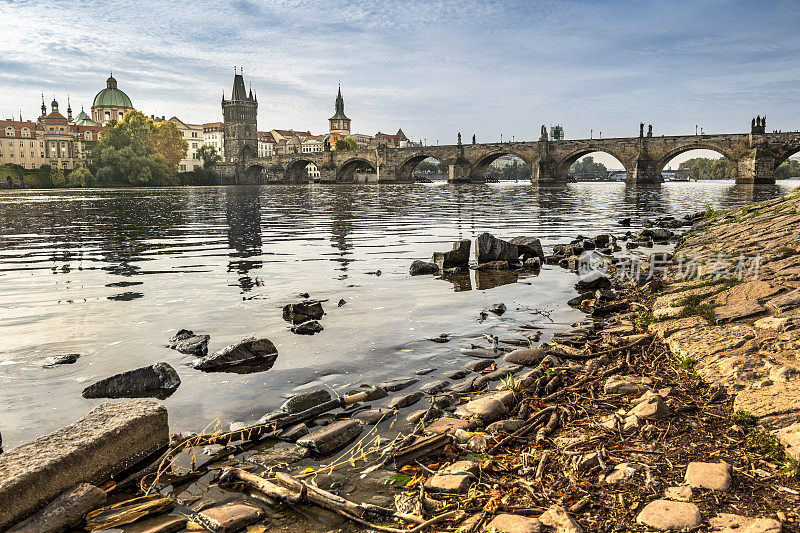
column 769, row 448
column 743, row 419
column 712, row 213
column 686, row 362
column 509, row 383
column 644, row 319
column 475, row 457
column 692, row 306
column 398, row 480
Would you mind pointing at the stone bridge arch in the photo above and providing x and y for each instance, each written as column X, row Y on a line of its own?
column 564, row 163
column 255, row 174
column 295, row 171
column 663, row 159
column 347, row 169
column 405, row 169
column 481, row 163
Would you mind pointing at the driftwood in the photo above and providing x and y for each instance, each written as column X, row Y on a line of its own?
column 422, row 448
column 128, row 511
column 65, row 511
column 531, row 424
column 237, row 475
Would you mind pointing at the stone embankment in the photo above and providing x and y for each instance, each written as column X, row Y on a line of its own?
column 663, row 410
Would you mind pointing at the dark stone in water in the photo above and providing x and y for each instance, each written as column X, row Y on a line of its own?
column 625, row 222
column 442, row 338
column 248, row 355
column 456, row 374
column 159, row 381
column 124, row 283
column 126, row 296
column 423, row 371
column 341, row 302
column 373, row 392
column 455, row 258
column 498, row 309
column 307, row 328
column 185, row 341
column 64, row 359
column 302, row 312
column 305, row 400
column 489, row 248
column 420, row 268
column 528, row 246
column 397, row 384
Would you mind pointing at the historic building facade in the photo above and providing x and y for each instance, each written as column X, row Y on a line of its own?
column 240, row 117
column 110, row 103
column 338, row 124
column 214, row 135
column 193, row 135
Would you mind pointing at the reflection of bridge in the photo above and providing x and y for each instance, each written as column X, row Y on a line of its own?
column 756, row 156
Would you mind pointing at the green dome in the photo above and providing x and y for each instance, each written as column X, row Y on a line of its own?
column 112, row 98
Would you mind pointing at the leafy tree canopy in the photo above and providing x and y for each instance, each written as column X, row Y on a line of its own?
column 209, row 155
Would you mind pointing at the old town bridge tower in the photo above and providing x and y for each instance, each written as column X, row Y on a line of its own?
column 240, row 116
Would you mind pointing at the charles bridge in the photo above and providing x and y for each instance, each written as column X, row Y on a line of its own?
column 756, row 155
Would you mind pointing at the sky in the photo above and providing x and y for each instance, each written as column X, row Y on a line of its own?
column 433, row 68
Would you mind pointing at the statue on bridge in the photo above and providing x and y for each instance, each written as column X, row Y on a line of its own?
column 473, row 138
column 759, row 124
column 543, row 137
column 459, row 138
column 649, row 130
column 641, row 129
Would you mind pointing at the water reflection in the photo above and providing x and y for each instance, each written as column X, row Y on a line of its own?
column 243, row 219
column 489, row 279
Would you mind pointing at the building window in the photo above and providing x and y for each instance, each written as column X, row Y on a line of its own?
column 183, row 168
column 194, row 145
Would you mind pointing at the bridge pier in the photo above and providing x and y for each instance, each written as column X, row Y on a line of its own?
column 459, row 171
column 545, row 172
column 643, row 171
column 755, row 167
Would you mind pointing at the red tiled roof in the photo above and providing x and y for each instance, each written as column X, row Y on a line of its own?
column 213, row 125
column 266, row 136
column 17, row 125
column 55, row 118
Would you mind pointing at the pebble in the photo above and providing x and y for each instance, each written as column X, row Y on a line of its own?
column 371, row 417
column 281, row 453
column 486, row 409
column 332, row 437
column 305, row 400
column 451, row 484
column 416, row 416
column 512, row 523
column 456, row 374
column 653, row 408
column 731, row 523
column 477, row 366
column 423, row 371
column 229, row 517
column 435, row 386
column 714, row 476
column 397, row 384
column 525, row 356
column 669, row 516
column 627, row 384
column 450, row 425
column 557, row 518
column 505, row 426
column 681, row 494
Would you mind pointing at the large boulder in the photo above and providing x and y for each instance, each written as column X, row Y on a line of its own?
column 302, row 312
column 155, row 381
column 457, row 257
column 185, row 341
column 248, row 355
column 528, row 246
column 420, row 268
column 111, row 438
column 306, row 400
column 489, row 248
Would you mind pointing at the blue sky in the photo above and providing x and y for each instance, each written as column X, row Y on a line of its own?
column 432, row 68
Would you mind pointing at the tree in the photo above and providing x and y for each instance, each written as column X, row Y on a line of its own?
column 167, row 142
column 209, row 156
column 587, row 165
column 57, row 178
column 80, row 177
column 788, row 169
column 348, row 143
column 703, row 168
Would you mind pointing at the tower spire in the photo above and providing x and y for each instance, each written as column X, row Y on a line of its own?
column 44, row 108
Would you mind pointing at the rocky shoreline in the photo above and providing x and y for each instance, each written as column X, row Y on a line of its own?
column 672, row 406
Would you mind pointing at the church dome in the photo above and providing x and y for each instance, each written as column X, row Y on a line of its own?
column 111, row 96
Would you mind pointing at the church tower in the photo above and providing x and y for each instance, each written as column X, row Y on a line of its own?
column 240, row 115
column 339, row 123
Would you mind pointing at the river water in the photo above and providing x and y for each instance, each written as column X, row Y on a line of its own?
column 111, row 274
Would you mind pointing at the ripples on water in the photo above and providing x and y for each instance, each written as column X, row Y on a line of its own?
column 113, row 273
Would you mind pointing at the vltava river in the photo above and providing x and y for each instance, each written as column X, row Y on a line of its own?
column 111, row 274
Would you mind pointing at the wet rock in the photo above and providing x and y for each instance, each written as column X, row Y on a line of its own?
column 605, row 240
column 292, row 433
column 457, row 257
column 420, row 268
column 714, row 476
column 680, row 494
column 397, row 384
column 185, row 341
column 305, row 400
column 489, row 248
column 374, row 392
column 532, row 262
column 528, row 246
column 593, row 281
column 514, row 523
column 341, row 303
column 332, row 437
column 485, row 409
column 155, row 381
column 477, row 366
column 442, row 338
column 435, row 386
column 498, row 309
column 370, row 417
column 405, row 400
column 424, row 371
column 450, row 425
column 428, row 414
column 303, row 311
column 558, row 519
column 505, row 426
column 67, row 510
column 731, row 523
column 64, row 359
column 525, row 356
column 248, row 355
column 307, row 328
column 627, row 384
column 482, row 353
column 168, row 523
column 280, row 454
column 109, row 439
column 626, row 222
column 445, row 401
column 229, row 518
column 492, row 265
column 456, row 374
column 670, row 516
column 464, row 386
